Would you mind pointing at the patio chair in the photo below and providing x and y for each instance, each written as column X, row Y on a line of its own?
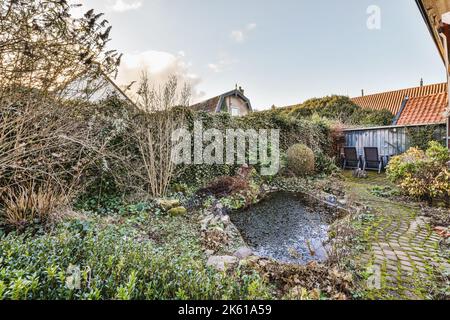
column 351, row 159
column 372, row 160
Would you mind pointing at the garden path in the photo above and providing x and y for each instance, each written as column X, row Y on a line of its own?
column 402, row 256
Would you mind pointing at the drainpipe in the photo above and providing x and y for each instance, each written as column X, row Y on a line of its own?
column 445, row 42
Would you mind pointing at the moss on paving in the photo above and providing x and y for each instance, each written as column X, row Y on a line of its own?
column 402, row 251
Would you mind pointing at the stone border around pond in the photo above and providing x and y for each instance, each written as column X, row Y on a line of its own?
column 223, row 243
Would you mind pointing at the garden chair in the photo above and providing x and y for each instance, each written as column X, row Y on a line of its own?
column 351, row 159
column 372, row 160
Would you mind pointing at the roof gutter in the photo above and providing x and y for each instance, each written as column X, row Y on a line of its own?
column 446, row 60
column 426, row 18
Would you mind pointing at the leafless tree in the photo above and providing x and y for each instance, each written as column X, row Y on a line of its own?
column 42, row 46
column 50, row 65
column 153, row 128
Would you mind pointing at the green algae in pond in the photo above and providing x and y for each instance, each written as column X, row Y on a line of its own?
column 286, row 227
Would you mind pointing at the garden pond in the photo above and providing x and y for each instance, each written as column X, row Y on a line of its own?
column 288, row 227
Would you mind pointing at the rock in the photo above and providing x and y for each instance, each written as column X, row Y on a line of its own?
column 205, row 222
column 218, row 229
column 331, row 199
column 263, row 263
column 178, row 211
column 225, row 220
column 361, row 174
column 443, row 232
column 243, row 253
column 253, row 259
column 222, row 263
column 168, row 204
column 216, row 221
column 218, row 209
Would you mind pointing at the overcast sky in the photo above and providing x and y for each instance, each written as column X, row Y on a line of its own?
column 280, row 51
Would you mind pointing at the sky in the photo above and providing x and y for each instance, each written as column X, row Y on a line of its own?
column 281, row 52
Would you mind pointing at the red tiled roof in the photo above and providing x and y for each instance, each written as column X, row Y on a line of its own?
column 209, row 105
column 393, row 100
column 424, row 110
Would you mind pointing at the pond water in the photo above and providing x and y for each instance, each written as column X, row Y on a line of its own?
column 287, row 227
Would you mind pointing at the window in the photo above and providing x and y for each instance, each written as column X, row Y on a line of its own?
column 235, row 111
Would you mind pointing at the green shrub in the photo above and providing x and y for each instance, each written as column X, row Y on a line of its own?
column 325, row 164
column 116, row 262
column 437, row 152
column 422, row 174
column 301, row 160
column 405, row 164
column 340, row 108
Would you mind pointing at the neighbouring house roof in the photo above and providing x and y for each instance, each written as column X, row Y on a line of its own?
column 209, row 105
column 215, row 104
column 432, row 12
column 392, row 100
column 424, row 110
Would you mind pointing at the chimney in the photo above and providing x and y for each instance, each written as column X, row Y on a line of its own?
column 241, row 90
column 362, row 93
column 421, row 82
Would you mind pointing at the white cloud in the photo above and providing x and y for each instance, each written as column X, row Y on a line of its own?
column 224, row 61
column 251, row 26
column 214, row 67
column 241, row 35
column 126, row 5
column 78, row 8
column 160, row 66
column 237, row 35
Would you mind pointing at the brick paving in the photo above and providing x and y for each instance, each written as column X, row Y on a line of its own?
column 403, row 254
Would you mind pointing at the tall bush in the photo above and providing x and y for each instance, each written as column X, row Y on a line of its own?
column 423, row 175
column 341, row 109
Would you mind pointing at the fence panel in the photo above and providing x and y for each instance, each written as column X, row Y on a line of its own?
column 390, row 140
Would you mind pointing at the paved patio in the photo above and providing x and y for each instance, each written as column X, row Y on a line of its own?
column 403, row 255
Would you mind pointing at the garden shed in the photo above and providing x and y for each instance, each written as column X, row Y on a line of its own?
column 395, row 139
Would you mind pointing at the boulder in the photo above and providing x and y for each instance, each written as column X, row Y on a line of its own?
column 222, row 263
column 342, row 202
column 178, row 211
column 225, row 220
column 168, row 204
column 243, row 253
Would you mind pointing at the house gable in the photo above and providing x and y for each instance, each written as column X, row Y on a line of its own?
column 221, row 102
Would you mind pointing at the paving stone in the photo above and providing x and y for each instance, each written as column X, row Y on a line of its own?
column 404, row 246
